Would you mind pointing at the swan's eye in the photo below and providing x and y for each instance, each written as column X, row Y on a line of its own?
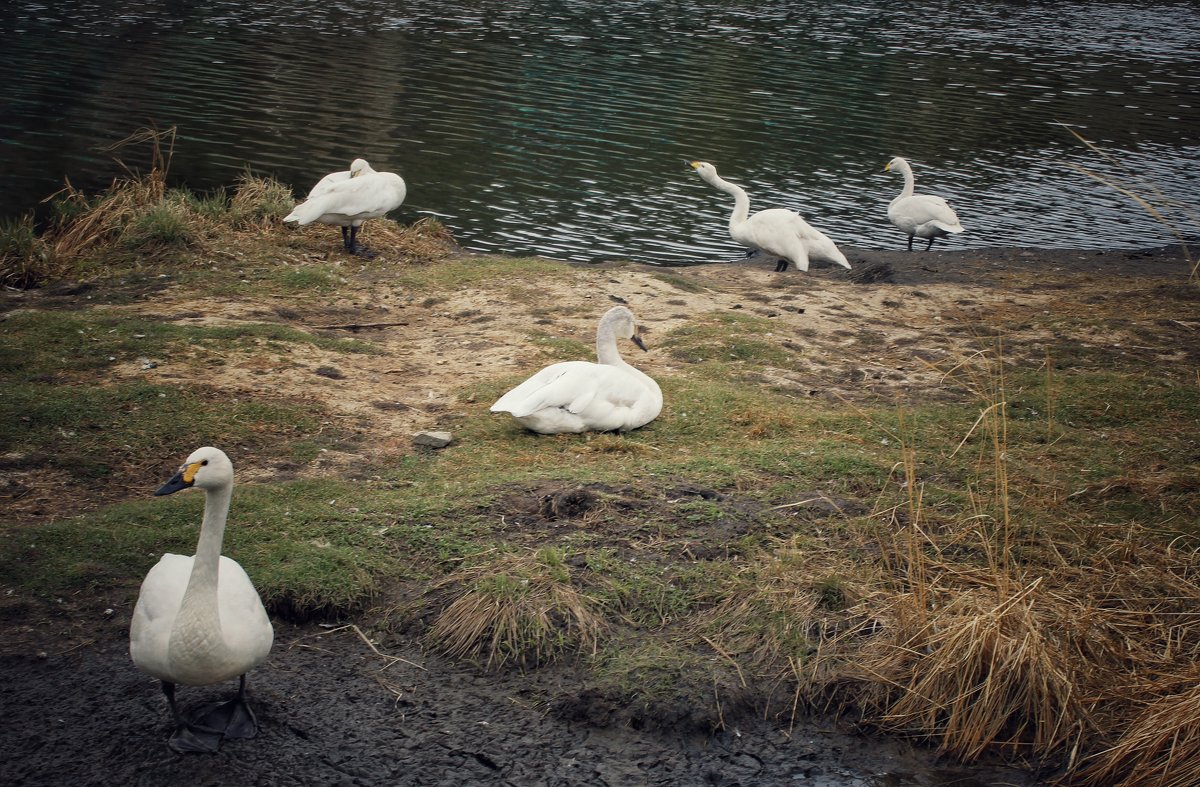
column 202, row 464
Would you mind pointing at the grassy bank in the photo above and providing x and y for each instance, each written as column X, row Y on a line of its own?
column 1002, row 560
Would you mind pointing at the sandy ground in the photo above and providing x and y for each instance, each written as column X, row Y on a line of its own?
column 333, row 711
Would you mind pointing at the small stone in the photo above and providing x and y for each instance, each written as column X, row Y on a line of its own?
column 432, row 439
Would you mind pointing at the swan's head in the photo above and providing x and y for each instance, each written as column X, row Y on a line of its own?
column 359, row 167
column 704, row 169
column 206, row 468
column 897, row 164
column 620, row 320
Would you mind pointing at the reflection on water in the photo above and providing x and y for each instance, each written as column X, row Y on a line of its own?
column 562, row 128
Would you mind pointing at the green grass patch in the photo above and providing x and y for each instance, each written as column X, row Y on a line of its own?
column 41, row 344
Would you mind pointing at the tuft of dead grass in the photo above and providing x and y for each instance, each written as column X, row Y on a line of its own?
column 974, row 675
column 259, row 204
column 1161, row 747
column 517, row 608
column 99, row 221
column 24, row 259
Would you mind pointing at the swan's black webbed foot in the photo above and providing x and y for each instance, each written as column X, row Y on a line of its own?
column 781, row 266
column 233, row 719
column 190, row 737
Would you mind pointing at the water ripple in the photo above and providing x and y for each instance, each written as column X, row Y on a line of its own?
column 563, row 130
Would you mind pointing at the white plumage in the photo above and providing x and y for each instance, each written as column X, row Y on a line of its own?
column 579, row 396
column 778, row 232
column 920, row 215
column 348, row 198
column 199, row 620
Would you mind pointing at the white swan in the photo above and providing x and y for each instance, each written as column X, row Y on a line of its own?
column 348, row 198
column 778, row 232
column 920, row 215
column 199, row 620
column 580, row 396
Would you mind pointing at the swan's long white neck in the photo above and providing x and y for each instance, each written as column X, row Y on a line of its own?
column 741, row 200
column 606, row 346
column 909, row 182
column 199, row 616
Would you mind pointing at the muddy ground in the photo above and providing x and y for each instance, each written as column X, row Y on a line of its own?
column 333, row 709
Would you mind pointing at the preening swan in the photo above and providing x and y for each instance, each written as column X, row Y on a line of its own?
column 920, row 215
column 348, row 198
column 778, row 232
column 579, row 396
column 199, row 620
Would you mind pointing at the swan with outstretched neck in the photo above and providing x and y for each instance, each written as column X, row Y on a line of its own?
column 920, row 215
column 777, row 232
column 199, row 620
column 348, row 198
column 580, row 396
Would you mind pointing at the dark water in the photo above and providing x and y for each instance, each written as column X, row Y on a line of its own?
column 562, row 128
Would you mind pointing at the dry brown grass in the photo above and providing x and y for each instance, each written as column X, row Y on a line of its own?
column 974, row 675
column 259, row 204
column 24, row 259
column 424, row 241
column 1161, row 748
column 517, row 608
column 96, row 222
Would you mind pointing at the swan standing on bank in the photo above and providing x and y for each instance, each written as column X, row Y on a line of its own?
column 778, row 232
column 580, row 396
column 348, row 198
column 199, row 620
column 920, row 215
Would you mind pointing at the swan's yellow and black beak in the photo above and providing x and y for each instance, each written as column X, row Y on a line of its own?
column 695, row 164
column 181, row 480
column 637, row 339
column 887, row 167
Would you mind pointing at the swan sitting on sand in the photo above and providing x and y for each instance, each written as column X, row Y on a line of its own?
column 580, row 396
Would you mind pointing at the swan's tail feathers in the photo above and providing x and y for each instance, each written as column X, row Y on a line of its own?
column 308, row 211
column 299, row 215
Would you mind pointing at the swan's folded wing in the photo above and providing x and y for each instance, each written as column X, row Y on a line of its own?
column 543, row 389
column 327, row 182
column 574, row 386
column 926, row 209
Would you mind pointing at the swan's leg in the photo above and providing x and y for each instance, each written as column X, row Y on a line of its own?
column 781, row 266
column 357, row 250
column 910, row 237
column 932, row 238
column 234, row 719
column 346, row 238
column 189, row 737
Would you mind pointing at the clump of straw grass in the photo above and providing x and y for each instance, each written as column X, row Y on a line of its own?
column 97, row 222
column 24, row 259
column 979, row 675
column 518, row 608
column 1160, row 748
